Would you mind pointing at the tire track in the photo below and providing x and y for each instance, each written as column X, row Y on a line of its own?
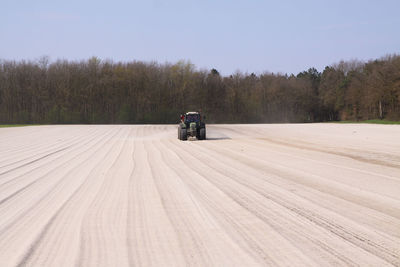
column 26, row 217
column 35, row 152
column 28, row 173
column 240, row 195
column 68, row 210
column 151, row 238
column 385, row 251
column 38, row 179
column 107, row 212
column 308, row 178
column 251, row 234
column 33, row 144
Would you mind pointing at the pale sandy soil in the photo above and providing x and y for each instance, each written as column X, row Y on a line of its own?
column 251, row 195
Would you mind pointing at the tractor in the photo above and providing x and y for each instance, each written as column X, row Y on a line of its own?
column 191, row 125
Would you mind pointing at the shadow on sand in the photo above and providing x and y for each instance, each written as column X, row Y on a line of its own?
column 218, row 138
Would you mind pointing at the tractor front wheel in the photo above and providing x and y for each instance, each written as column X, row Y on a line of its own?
column 183, row 134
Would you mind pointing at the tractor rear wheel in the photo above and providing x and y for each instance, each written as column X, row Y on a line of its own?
column 202, row 133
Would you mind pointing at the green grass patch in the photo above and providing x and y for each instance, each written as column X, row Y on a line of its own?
column 15, row 125
column 371, row 121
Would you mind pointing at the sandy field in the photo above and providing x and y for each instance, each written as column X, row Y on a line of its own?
column 250, row 195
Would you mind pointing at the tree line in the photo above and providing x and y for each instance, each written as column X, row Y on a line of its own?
column 102, row 92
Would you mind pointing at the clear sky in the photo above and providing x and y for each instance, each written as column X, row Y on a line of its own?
column 229, row 35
